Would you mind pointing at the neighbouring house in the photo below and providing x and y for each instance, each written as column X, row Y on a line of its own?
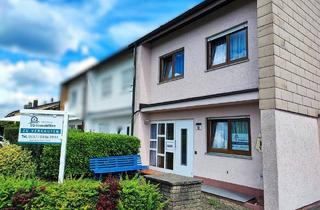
column 14, row 116
column 52, row 105
column 100, row 98
column 216, row 81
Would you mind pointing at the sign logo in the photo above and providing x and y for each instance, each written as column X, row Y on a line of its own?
column 34, row 119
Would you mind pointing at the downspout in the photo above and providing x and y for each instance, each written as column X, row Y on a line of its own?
column 133, row 87
column 85, row 99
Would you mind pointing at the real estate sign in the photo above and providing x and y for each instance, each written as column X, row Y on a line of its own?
column 40, row 128
column 45, row 127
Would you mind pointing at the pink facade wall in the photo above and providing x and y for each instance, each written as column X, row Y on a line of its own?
column 246, row 172
column 196, row 81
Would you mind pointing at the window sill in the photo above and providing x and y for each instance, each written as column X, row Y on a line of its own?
column 227, row 65
column 229, row 155
column 171, row 80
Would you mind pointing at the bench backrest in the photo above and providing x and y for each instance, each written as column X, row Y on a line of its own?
column 115, row 161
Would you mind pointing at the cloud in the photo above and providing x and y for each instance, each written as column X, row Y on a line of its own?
column 25, row 81
column 126, row 32
column 48, row 29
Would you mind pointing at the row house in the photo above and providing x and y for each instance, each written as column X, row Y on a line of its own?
column 228, row 92
column 100, row 98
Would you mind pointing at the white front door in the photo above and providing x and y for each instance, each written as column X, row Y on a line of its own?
column 171, row 146
column 183, row 156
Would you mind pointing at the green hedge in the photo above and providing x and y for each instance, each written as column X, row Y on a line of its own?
column 16, row 162
column 33, row 194
column 80, row 148
column 80, row 194
column 72, row 194
column 11, row 134
column 11, row 187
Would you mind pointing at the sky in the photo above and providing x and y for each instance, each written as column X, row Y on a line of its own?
column 43, row 42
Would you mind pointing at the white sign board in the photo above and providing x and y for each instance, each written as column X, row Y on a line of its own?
column 45, row 127
column 40, row 128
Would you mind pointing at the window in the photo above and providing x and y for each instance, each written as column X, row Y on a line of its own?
column 73, row 98
column 126, row 82
column 228, row 47
column 106, row 86
column 162, row 145
column 172, row 66
column 230, row 136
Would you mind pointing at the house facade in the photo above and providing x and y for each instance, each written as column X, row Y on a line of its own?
column 100, row 98
column 224, row 78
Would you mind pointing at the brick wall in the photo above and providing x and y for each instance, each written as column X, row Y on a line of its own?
column 289, row 55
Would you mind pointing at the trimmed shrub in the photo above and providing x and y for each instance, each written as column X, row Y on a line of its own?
column 11, row 134
column 80, row 148
column 79, row 194
column 137, row 193
column 108, row 194
column 32, row 194
column 16, row 162
column 15, row 193
column 72, row 194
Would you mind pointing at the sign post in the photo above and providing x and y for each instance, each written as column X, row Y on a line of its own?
column 63, row 148
column 45, row 127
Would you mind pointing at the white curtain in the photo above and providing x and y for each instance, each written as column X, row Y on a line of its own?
column 179, row 64
column 238, row 45
column 220, row 140
column 240, row 135
column 219, row 53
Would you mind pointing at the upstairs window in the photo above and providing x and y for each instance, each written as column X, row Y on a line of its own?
column 106, row 86
column 172, row 66
column 228, row 47
column 230, row 136
column 126, row 81
column 73, row 98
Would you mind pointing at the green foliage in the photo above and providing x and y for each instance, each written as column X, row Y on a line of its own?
column 33, row 194
column 16, row 162
column 137, row 193
column 72, row 194
column 11, row 134
column 79, row 194
column 10, row 186
column 80, row 148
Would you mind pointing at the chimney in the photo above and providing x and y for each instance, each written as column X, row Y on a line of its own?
column 29, row 105
column 35, row 103
column 51, row 100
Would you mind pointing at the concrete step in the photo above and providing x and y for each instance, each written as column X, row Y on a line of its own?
column 226, row 193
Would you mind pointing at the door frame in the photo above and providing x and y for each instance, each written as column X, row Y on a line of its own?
column 174, row 121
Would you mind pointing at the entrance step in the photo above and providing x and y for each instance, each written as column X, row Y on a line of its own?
column 226, row 193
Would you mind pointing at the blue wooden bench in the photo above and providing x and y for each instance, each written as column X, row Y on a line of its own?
column 116, row 164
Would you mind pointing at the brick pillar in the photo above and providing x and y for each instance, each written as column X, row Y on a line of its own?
column 181, row 192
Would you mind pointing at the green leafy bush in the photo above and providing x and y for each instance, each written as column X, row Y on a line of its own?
column 137, row 193
column 10, row 187
column 80, row 148
column 16, row 162
column 11, row 134
column 33, row 194
column 72, row 194
column 108, row 194
column 132, row 194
